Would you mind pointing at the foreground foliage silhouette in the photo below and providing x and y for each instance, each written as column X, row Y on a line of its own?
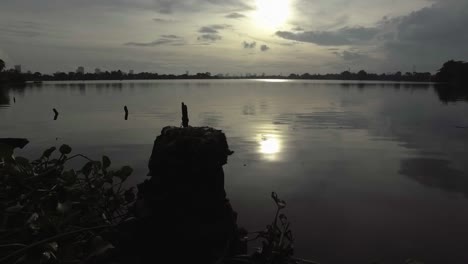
column 53, row 215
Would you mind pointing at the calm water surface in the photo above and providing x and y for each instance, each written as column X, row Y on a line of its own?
column 370, row 171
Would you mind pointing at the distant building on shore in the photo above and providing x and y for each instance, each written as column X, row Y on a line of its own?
column 18, row 68
column 97, row 71
column 130, row 72
column 80, row 69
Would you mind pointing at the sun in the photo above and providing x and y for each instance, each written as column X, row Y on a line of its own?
column 271, row 13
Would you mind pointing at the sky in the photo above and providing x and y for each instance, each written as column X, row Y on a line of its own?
column 233, row 36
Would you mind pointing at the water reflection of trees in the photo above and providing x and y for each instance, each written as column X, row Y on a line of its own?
column 435, row 173
column 4, row 97
column 448, row 93
column 6, row 90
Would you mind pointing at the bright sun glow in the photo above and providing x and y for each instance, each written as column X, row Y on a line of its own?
column 272, row 13
column 269, row 145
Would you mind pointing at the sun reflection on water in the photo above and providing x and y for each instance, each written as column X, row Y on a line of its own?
column 269, row 146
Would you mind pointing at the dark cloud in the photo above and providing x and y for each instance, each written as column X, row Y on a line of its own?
column 211, row 33
column 264, row 47
column 250, row 45
column 428, row 37
column 208, row 30
column 209, row 37
column 343, row 36
column 235, row 15
column 163, row 40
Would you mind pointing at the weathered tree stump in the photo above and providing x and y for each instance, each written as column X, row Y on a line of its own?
column 182, row 211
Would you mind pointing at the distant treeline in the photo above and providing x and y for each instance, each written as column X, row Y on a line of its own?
column 452, row 72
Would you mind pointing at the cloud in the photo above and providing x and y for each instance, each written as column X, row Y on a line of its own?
column 297, row 28
column 162, row 20
column 425, row 38
column 211, row 33
column 163, row 40
column 348, row 55
column 173, row 6
column 235, row 15
column 264, row 47
column 22, row 29
column 340, row 37
column 209, row 37
column 208, row 30
column 248, row 45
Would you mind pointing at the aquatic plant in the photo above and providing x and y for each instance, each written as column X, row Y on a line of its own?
column 277, row 241
column 55, row 214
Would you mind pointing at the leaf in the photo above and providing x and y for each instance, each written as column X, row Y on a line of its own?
column 129, row 195
column 65, row 149
column 69, row 177
column 124, row 172
column 48, row 152
column 5, row 151
column 98, row 183
column 108, row 179
column 105, row 162
column 23, row 163
column 14, row 209
column 97, row 165
column 64, row 207
column 86, row 170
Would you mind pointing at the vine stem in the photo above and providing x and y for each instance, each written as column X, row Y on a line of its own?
column 27, row 248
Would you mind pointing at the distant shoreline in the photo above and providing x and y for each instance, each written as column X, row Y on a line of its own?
column 239, row 79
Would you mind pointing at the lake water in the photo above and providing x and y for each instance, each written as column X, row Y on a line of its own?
column 370, row 171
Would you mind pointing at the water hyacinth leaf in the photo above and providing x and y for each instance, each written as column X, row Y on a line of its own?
column 5, row 151
column 86, row 170
column 129, row 195
column 48, row 152
column 108, row 179
column 65, row 149
column 53, row 246
column 69, row 177
column 14, row 209
column 97, row 165
column 105, row 162
column 64, row 207
column 23, row 163
column 98, row 183
column 124, row 172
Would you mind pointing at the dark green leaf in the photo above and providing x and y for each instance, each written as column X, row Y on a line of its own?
column 105, row 162
column 98, row 183
column 5, row 151
column 48, row 152
column 108, row 179
column 65, row 149
column 86, row 170
column 97, row 165
column 129, row 195
column 124, row 172
column 23, row 163
column 69, row 177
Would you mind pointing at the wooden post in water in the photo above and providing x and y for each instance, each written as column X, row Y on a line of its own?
column 185, row 119
column 126, row 112
column 56, row 113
